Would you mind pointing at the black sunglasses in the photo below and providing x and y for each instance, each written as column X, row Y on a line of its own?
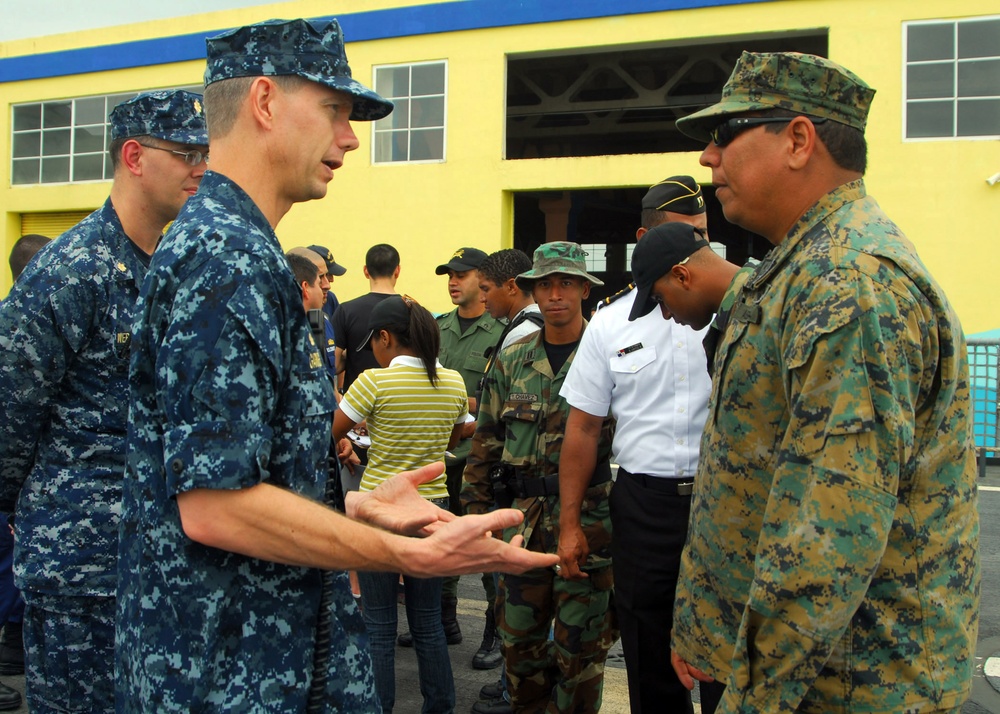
column 728, row 130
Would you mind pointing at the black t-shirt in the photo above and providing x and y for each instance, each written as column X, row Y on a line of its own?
column 558, row 354
column 350, row 328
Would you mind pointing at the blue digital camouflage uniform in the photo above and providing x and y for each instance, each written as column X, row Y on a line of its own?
column 65, row 334
column 521, row 422
column 64, row 347
column 839, row 449
column 229, row 391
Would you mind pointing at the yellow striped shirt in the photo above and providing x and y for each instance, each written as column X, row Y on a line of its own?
column 409, row 420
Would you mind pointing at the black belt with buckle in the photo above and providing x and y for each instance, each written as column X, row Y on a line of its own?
column 673, row 486
column 531, row 486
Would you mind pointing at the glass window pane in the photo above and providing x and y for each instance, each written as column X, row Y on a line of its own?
column 428, row 79
column 927, row 81
column 427, row 145
column 391, row 146
column 25, row 171
column 87, row 139
column 392, row 82
column 88, row 168
column 930, row 42
column 400, row 117
column 924, row 119
column 55, row 142
column 55, row 170
column 979, row 117
column 980, row 38
column 27, row 144
column 28, row 116
column 56, row 114
column 596, row 256
column 427, row 112
column 980, row 78
column 90, row 111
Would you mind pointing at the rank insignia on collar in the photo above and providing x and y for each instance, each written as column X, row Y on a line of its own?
column 745, row 312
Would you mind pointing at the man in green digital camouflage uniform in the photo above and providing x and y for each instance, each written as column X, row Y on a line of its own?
column 831, row 562
column 515, row 456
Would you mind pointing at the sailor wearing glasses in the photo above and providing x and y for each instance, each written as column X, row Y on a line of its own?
column 65, row 337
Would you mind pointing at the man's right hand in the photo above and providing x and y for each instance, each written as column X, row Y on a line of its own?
column 573, row 552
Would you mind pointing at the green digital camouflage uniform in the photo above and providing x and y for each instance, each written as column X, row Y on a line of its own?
column 832, row 558
column 522, row 421
column 838, row 446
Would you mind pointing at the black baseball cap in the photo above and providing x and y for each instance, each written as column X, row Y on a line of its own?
column 463, row 259
column 659, row 250
column 391, row 314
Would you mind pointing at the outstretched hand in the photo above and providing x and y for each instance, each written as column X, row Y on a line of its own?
column 466, row 545
column 397, row 506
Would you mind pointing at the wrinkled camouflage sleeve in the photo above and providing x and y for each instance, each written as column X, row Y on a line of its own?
column 43, row 324
column 487, row 444
column 832, row 498
column 217, row 377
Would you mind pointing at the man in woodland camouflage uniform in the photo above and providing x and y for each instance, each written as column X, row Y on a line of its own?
column 65, row 337
column 832, row 558
column 515, row 455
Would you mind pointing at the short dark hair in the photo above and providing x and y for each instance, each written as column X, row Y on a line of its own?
column 381, row 260
column 303, row 269
column 846, row 144
column 24, row 250
column 505, row 264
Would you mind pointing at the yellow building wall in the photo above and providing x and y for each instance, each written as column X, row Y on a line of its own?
column 935, row 190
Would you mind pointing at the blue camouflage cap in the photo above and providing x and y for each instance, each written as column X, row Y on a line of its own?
column 171, row 115
column 801, row 83
column 313, row 50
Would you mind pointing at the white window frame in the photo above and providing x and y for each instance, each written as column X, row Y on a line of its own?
column 954, row 99
column 384, row 126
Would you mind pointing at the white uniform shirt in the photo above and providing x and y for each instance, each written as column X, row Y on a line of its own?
column 652, row 375
column 527, row 327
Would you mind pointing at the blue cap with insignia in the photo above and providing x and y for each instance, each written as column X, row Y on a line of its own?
column 170, row 115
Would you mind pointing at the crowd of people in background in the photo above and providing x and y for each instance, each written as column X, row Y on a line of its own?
column 220, row 477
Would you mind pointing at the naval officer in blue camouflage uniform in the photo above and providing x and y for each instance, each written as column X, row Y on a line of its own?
column 65, row 334
column 232, row 594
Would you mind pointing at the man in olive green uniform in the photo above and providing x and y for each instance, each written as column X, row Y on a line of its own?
column 832, row 557
column 515, row 458
column 467, row 333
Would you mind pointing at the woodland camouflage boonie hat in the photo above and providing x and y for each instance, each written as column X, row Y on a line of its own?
column 170, row 115
column 800, row 83
column 314, row 51
column 561, row 257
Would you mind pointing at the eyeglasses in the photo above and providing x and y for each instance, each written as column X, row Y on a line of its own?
column 731, row 128
column 191, row 158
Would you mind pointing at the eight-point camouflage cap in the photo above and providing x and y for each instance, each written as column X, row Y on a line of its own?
column 560, row 257
column 786, row 80
column 171, row 115
column 314, row 51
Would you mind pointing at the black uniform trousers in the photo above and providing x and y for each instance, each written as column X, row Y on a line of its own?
column 649, row 522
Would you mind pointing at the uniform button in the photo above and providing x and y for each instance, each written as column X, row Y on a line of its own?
column 263, row 460
column 176, row 466
column 681, row 442
column 682, row 378
column 680, row 345
column 680, row 410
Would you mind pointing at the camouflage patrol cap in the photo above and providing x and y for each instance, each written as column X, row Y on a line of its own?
column 786, row 80
column 562, row 257
column 677, row 194
column 313, row 50
column 171, row 115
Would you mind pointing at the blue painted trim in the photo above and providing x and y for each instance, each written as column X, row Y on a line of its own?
column 358, row 27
